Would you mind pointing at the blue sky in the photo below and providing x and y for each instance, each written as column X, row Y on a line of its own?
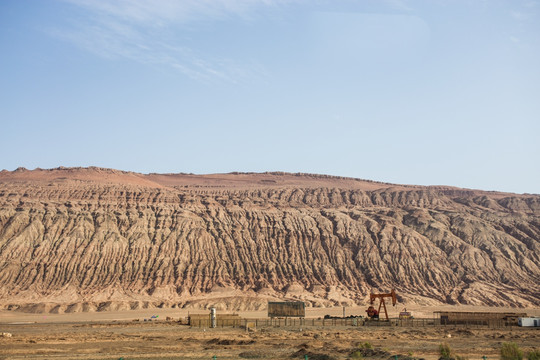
column 432, row 92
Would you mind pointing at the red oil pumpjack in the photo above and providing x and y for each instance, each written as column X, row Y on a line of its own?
column 374, row 314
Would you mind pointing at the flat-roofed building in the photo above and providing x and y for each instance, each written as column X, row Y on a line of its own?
column 287, row 309
column 478, row 318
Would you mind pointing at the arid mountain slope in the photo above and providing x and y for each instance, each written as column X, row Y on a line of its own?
column 75, row 239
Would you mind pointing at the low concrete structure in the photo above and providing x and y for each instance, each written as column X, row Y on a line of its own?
column 529, row 321
column 478, row 318
column 220, row 320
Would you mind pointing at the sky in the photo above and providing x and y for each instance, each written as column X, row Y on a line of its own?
column 434, row 92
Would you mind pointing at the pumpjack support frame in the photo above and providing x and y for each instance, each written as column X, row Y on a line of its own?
column 382, row 303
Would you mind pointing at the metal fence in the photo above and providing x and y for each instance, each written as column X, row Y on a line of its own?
column 280, row 322
column 345, row 322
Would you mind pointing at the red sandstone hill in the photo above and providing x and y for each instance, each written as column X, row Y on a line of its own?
column 83, row 239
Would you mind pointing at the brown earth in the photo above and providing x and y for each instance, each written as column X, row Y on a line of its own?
column 170, row 340
column 92, row 239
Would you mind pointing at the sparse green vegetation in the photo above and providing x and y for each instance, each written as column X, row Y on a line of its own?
column 533, row 355
column 445, row 351
column 357, row 355
column 366, row 345
column 510, row 351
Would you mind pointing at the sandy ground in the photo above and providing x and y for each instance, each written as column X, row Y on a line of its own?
column 111, row 335
column 417, row 311
column 169, row 340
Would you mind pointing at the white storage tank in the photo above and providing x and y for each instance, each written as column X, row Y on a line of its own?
column 213, row 319
column 529, row 321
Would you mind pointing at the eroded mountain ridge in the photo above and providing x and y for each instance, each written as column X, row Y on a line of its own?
column 76, row 239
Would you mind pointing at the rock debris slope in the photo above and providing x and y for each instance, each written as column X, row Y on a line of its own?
column 84, row 239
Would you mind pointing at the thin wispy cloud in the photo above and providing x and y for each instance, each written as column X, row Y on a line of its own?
column 525, row 20
column 400, row 5
column 150, row 32
column 519, row 15
column 531, row 4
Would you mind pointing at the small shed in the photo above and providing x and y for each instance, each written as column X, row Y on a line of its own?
column 287, row 309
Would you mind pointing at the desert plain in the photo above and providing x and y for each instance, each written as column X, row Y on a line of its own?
column 125, row 334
